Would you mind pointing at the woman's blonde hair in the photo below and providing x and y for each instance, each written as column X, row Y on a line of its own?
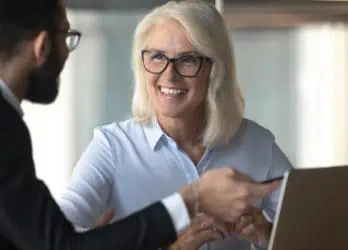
column 207, row 32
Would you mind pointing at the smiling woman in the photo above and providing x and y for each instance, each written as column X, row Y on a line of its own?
column 177, row 87
column 199, row 36
column 186, row 121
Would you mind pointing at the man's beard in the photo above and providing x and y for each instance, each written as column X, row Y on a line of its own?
column 43, row 83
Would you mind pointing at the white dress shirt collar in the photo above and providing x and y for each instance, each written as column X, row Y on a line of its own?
column 10, row 98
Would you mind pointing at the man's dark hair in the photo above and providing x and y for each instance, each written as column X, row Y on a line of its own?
column 23, row 19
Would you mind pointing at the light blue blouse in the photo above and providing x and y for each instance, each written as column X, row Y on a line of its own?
column 127, row 166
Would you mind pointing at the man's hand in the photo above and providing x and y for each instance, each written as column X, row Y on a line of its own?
column 225, row 194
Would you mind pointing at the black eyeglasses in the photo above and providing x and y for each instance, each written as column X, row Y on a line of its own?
column 186, row 66
column 72, row 38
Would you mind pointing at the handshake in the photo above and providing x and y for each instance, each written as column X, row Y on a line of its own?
column 225, row 194
column 221, row 202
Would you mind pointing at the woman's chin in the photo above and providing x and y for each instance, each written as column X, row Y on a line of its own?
column 171, row 113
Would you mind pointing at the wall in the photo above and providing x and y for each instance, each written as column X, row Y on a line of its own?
column 284, row 78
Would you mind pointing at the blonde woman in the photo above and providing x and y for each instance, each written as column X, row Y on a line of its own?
column 187, row 119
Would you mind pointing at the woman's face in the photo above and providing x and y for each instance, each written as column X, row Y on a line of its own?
column 180, row 89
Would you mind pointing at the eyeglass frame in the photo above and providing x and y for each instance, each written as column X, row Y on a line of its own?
column 172, row 60
column 69, row 33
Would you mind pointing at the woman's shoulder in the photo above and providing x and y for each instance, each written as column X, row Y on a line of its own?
column 251, row 131
column 116, row 137
column 118, row 128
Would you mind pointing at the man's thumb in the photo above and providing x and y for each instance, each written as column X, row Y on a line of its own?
column 262, row 190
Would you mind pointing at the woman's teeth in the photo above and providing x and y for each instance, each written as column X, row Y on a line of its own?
column 172, row 91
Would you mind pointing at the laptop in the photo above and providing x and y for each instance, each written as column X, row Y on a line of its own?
column 312, row 213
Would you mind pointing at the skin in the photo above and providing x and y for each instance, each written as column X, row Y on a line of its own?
column 181, row 116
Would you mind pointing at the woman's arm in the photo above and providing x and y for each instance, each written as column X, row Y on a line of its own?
column 85, row 198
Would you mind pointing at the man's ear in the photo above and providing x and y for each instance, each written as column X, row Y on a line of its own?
column 42, row 47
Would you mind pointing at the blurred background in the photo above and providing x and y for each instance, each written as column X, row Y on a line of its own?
column 292, row 61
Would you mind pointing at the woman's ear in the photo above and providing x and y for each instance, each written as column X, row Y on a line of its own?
column 42, row 47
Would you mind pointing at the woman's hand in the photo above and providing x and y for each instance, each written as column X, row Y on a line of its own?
column 105, row 219
column 254, row 227
column 202, row 230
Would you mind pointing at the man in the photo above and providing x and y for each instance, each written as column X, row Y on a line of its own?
column 35, row 41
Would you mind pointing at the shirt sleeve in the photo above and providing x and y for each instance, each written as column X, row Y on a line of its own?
column 178, row 212
column 82, row 202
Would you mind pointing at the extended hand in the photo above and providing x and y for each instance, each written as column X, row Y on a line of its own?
column 225, row 194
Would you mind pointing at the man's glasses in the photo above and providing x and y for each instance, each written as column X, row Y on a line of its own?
column 72, row 38
column 186, row 66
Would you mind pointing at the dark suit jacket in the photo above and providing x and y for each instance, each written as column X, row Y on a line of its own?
column 31, row 220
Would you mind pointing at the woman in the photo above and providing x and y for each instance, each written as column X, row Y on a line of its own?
column 187, row 118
